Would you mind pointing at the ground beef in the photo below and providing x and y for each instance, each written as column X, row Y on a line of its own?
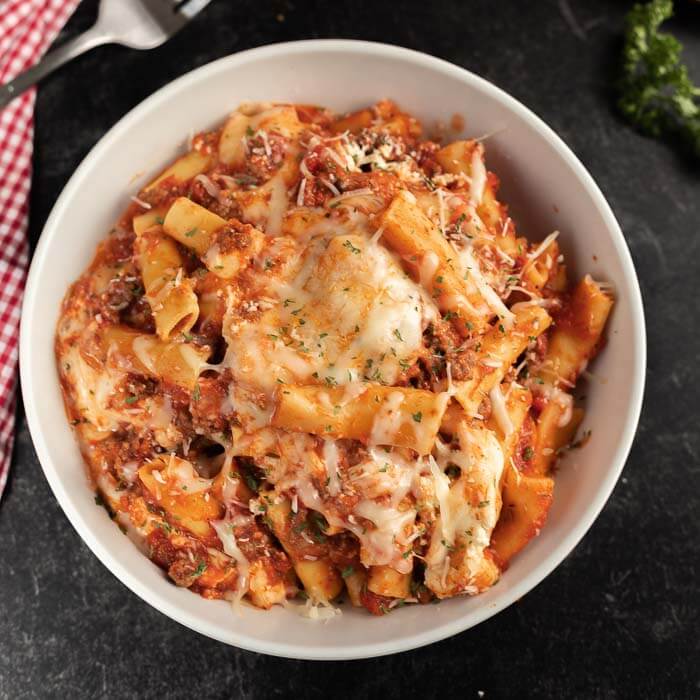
column 166, row 191
column 344, row 550
column 123, row 301
column 160, row 549
column 209, row 410
column 424, row 156
column 376, row 604
column 235, row 235
column 185, row 572
column 265, row 158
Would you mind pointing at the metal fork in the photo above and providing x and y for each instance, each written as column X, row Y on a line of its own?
column 138, row 24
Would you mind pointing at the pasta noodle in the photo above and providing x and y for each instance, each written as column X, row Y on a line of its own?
column 169, row 293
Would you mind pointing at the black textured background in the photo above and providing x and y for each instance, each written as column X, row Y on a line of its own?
column 619, row 618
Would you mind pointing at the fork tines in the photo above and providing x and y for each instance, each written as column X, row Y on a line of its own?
column 172, row 15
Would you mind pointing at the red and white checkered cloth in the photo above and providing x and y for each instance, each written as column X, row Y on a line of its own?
column 27, row 28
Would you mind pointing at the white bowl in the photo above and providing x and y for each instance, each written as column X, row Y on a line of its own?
column 547, row 188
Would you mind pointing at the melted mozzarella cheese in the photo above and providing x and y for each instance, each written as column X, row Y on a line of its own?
column 428, row 267
column 385, row 481
column 143, row 349
column 330, row 456
column 562, row 399
column 380, row 545
column 277, row 206
column 500, row 412
column 478, row 176
column 182, row 477
column 224, row 529
column 266, row 206
column 345, row 311
column 387, row 420
column 468, row 512
column 442, row 492
column 475, row 275
column 93, row 391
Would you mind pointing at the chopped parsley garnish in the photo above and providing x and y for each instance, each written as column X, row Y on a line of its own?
column 196, row 393
column 528, row 453
column 431, row 185
column 252, row 482
column 377, row 377
column 131, row 399
column 320, row 525
column 418, row 416
column 200, row 569
column 347, row 571
column 191, row 232
column 348, row 244
column 397, row 333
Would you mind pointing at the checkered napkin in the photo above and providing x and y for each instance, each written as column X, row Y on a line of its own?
column 27, row 28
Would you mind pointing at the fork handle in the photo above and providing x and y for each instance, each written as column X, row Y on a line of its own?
column 64, row 53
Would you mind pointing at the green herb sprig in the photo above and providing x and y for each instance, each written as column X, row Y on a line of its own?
column 656, row 92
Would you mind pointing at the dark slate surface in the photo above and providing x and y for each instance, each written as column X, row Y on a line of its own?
column 619, row 618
